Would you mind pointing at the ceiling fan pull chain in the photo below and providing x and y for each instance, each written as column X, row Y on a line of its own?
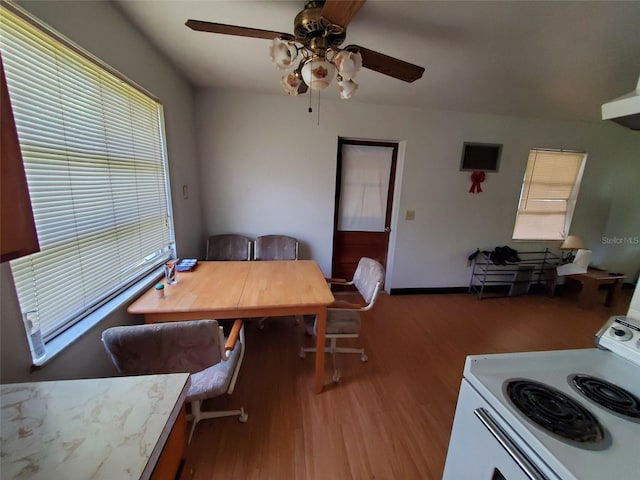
column 318, row 107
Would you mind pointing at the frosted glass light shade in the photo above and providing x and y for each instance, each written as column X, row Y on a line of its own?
column 347, row 88
column 348, row 64
column 282, row 53
column 291, row 82
column 318, row 73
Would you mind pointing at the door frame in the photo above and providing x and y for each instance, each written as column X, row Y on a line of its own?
column 400, row 146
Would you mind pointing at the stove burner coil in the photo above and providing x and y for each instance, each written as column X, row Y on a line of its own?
column 554, row 411
column 610, row 396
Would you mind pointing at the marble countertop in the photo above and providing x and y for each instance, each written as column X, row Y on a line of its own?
column 103, row 428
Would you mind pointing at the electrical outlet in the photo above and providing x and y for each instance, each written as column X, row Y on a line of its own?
column 411, row 215
column 185, row 192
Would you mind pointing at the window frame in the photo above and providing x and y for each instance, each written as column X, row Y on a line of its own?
column 571, row 200
column 67, row 330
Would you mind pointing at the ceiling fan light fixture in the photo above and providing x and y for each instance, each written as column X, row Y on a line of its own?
column 347, row 88
column 282, row 53
column 311, row 56
column 348, row 64
column 317, row 73
column 291, row 82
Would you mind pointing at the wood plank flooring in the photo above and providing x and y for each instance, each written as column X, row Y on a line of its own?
column 389, row 418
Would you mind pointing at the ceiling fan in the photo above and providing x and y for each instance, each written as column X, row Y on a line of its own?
column 311, row 55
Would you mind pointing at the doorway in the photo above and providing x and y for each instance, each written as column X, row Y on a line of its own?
column 365, row 180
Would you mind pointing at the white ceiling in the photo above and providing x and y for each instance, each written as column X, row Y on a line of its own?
column 548, row 59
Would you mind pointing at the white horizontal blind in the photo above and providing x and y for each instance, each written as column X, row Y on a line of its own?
column 549, row 191
column 94, row 156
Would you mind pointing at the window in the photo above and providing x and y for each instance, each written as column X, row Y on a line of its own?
column 548, row 195
column 94, row 156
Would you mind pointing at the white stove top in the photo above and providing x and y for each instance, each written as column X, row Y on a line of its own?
column 620, row 459
column 621, row 335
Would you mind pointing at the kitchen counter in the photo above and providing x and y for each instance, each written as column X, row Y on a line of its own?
column 103, row 428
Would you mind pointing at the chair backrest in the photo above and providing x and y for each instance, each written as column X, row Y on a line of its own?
column 275, row 247
column 228, row 247
column 369, row 279
column 172, row 347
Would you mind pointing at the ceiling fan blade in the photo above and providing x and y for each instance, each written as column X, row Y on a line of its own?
column 341, row 12
column 235, row 30
column 393, row 67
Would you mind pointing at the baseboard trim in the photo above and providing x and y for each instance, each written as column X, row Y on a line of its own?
column 426, row 291
column 535, row 288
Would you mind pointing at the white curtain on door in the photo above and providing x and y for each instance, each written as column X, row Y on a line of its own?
column 364, row 188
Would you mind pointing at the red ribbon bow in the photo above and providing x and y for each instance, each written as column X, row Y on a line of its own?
column 476, row 179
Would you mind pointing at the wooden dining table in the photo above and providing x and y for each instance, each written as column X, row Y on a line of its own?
column 230, row 290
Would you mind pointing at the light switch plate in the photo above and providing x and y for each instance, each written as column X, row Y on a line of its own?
column 411, row 215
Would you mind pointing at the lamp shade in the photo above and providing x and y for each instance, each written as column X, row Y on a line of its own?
column 282, row 53
column 572, row 242
column 347, row 88
column 348, row 64
column 318, row 73
column 291, row 82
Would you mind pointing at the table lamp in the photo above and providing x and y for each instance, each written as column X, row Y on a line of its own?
column 571, row 243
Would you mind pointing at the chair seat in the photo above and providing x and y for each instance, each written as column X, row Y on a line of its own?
column 339, row 322
column 213, row 381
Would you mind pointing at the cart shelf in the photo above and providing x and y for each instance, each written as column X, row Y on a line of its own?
column 513, row 278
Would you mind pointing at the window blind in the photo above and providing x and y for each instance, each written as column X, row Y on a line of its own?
column 94, row 156
column 548, row 195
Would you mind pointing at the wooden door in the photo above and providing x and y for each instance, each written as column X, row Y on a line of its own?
column 364, row 198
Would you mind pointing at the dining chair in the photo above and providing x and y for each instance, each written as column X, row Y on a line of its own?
column 275, row 247
column 197, row 347
column 343, row 317
column 227, row 247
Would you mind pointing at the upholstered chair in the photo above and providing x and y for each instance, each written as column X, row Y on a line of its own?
column 275, row 247
column 197, row 347
column 343, row 316
column 228, row 247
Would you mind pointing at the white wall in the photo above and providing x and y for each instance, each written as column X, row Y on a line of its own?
column 267, row 167
column 101, row 29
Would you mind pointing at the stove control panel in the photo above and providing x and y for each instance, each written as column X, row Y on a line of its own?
column 621, row 335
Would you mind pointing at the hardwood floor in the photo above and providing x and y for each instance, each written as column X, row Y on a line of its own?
column 389, row 418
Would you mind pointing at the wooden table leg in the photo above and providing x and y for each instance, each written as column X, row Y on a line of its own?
column 589, row 293
column 614, row 291
column 320, row 345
